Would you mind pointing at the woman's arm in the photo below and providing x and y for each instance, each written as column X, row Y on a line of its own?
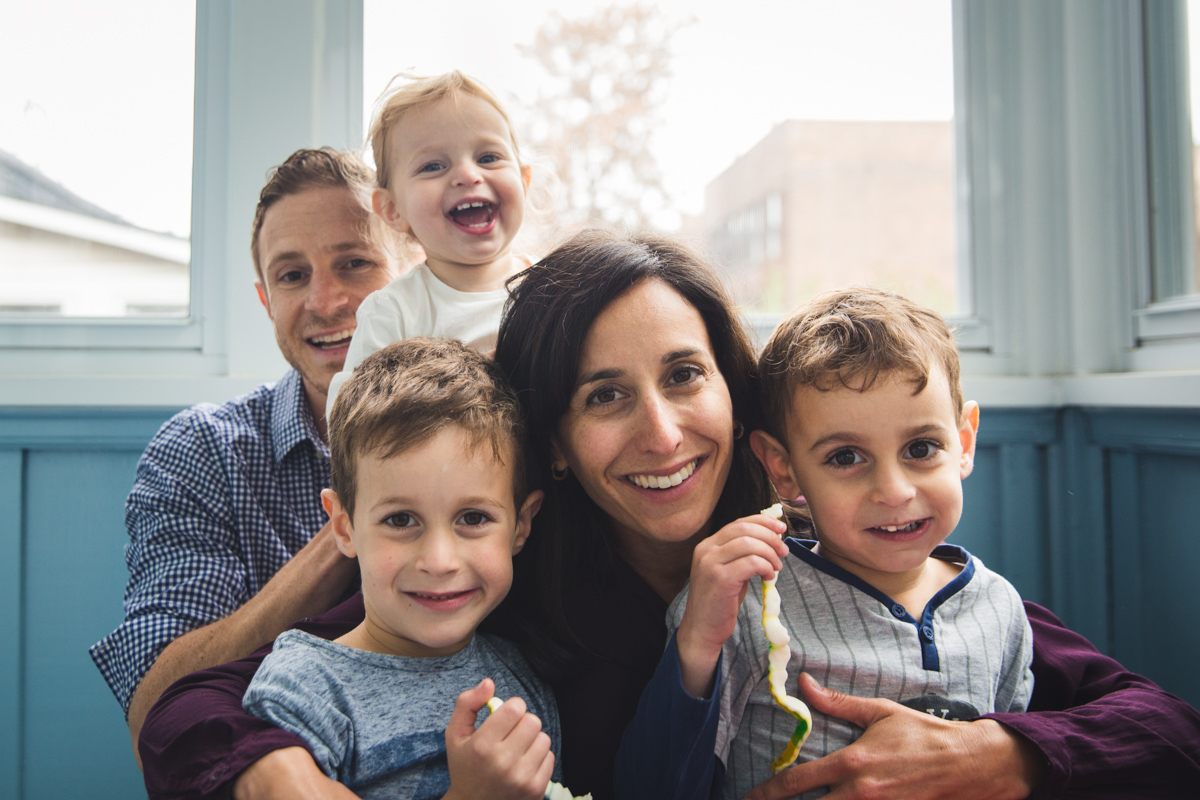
column 197, row 740
column 1093, row 730
column 667, row 750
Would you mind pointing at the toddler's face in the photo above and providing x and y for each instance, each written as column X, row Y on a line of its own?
column 881, row 470
column 435, row 529
column 456, row 184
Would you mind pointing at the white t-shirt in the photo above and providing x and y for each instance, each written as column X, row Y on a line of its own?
column 418, row 303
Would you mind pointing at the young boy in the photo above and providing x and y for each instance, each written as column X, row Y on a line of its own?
column 429, row 492
column 867, row 423
column 449, row 177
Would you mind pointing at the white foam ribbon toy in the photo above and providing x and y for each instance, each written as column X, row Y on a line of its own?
column 778, row 655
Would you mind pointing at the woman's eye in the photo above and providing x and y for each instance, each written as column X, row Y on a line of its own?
column 922, row 449
column 603, row 396
column 845, row 458
column 400, row 520
column 474, row 519
column 683, row 375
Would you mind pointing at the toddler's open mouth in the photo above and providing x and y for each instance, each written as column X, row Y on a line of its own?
column 475, row 214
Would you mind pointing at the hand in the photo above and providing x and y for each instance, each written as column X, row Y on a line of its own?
column 722, row 566
column 508, row 756
column 288, row 774
column 907, row 754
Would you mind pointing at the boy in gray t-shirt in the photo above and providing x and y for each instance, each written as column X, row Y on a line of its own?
column 430, row 493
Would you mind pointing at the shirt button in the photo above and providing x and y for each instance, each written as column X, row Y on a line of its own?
column 898, row 611
column 927, row 633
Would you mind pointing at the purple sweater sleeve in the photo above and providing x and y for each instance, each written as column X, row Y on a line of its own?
column 1104, row 732
column 197, row 739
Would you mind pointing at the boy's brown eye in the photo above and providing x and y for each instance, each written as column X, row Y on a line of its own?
column 921, row 449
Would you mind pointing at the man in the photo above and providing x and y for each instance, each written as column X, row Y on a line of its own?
column 229, row 542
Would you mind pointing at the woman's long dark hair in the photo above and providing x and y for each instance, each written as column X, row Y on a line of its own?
column 549, row 312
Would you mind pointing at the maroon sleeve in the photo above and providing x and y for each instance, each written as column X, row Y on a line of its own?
column 197, row 739
column 1104, row 732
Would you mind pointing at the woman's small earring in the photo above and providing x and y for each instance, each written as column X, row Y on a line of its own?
column 558, row 473
column 738, row 429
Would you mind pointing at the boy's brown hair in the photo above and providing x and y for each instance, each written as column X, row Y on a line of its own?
column 416, row 92
column 851, row 337
column 405, row 394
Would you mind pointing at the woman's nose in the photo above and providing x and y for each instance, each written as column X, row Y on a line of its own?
column 661, row 429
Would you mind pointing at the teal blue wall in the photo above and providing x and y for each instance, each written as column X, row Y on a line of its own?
column 1087, row 511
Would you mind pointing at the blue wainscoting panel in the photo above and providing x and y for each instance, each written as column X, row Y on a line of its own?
column 74, row 577
column 64, row 475
column 11, row 468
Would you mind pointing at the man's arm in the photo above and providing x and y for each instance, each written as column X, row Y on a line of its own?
column 199, row 742
column 307, row 585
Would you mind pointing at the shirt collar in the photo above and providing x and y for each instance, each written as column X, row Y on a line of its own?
column 291, row 420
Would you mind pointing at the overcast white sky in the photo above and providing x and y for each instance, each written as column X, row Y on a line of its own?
column 105, row 109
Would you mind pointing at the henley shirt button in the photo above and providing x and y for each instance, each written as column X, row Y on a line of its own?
column 927, row 633
column 898, row 611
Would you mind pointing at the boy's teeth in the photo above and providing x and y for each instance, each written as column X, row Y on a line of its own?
column 664, row 481
column 912, row 526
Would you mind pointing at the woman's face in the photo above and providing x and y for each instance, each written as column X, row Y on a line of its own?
column 649, row 429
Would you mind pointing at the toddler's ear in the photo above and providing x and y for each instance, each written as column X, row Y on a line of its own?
column 526, row 175
column 775, row 460
column 339, row 521
column 525, row 516
column 385, row 206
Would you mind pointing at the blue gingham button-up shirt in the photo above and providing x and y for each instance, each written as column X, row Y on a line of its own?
column 224, row 496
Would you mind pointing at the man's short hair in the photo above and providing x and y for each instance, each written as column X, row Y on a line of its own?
column 314, row 169
column 850, row 338
column 405, row 394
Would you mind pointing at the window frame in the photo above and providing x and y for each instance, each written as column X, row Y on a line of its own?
column 270, row 78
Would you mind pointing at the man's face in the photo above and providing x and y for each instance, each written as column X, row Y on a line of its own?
column 318, row 263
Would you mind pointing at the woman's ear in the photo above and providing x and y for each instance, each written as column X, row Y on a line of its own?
column 525, row 516
column 385, row 207
column 339, row 521
column 775, row 460
column 558, row 462
column 968, row 433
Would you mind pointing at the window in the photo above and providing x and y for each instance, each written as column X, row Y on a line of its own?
column 806, row 145
column 96, row 159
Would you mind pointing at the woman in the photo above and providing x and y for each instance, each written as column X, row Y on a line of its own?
column 635, row 374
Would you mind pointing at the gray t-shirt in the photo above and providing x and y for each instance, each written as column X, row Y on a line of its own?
column 968, row 654
column 376, row 722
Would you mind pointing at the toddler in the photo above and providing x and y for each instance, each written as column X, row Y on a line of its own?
column 429, row 492
column 449, row 176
